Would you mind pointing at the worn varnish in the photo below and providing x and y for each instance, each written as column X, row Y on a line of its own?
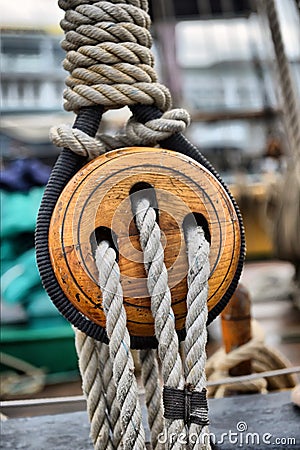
column 98, row 196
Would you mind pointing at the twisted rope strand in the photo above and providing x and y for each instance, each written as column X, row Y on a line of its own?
column 151, row 382
column 94, row 391
column 287, row 218
column 196, row 334
column 107, row 31
column 290, row 105
column 123, row 367
column 150, row 133
column 164, row 320
column 109, row 388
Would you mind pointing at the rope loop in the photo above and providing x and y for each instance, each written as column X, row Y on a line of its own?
column 153, row 131
column 77, row 141
column 150, row 133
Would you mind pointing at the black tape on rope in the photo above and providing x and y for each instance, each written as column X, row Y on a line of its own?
column 67, row 165
column 185, row 404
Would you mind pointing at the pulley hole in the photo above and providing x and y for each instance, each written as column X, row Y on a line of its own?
column 197, row 219
column 104, row 234
column 143, row 190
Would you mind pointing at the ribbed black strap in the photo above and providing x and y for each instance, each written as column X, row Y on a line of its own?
column 185, row 404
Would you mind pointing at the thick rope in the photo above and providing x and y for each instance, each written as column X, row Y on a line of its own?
column 152, row 383
column 287, row 220
column 120, row 361
column 119, row 347
column 164, row 319
column 91, row 367
column 150, row 133
column 263, row 358
column 196, row 334
column 157, row 281
column 112, row 405
column 108, row 56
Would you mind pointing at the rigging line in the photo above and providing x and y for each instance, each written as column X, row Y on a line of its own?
column 255, row 376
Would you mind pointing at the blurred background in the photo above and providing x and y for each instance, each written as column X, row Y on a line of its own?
column 217, row 58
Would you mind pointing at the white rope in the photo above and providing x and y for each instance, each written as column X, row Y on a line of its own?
column 164, row 319
column 118, row 404
column 109, row 388
column 119, row 347
column 157, row 280
column 196, row 334
column 135, row 133
column 152, row 383
column 94, row 391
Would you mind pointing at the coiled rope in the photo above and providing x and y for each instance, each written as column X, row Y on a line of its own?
column 264, row 360
column 111, row 64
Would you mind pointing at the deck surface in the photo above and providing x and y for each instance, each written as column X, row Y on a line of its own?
column 246, row 422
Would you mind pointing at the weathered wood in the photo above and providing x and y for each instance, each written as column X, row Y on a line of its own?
column 236, row 327
column 270, row 422
column 99, row 196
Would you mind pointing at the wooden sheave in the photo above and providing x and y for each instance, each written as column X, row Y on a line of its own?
column 98, row 203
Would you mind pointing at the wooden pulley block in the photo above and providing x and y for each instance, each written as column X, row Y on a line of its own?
column 98, row 203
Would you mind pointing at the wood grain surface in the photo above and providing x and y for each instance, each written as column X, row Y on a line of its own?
column 98, row 198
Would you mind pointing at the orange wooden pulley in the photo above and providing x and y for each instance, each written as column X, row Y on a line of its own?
column 97, row 203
